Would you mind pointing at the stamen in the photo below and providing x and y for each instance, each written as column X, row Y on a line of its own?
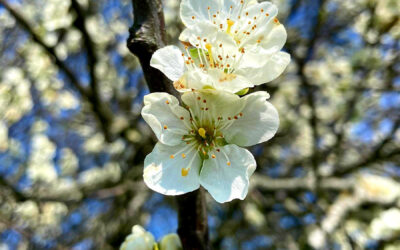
column 208, row 47
column 230, row 24
column 165, row 127
column 183, row 156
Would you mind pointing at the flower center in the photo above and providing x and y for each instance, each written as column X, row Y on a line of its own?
column 204, row 135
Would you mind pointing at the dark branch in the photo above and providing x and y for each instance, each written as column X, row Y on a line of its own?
column 146, row 36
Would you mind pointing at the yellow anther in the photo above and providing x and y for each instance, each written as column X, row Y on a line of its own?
column 202, row 133
column 165, row 127
column 172, row 156
column 213, row 156
column 230, row 24
column 184, row 171
column 183, row 156
column 208, row 47
column 228, row 163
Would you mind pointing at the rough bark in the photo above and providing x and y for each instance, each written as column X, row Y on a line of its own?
column 146, row 36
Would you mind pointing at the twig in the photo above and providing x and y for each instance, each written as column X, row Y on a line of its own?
column 105, row 115
column 98, row 110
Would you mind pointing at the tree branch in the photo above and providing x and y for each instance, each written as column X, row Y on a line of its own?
column 105, row 115
column 92, row 97
column 146, row 36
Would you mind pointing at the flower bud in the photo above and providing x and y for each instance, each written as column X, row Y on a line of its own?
column 171, row 242
column 139, row 239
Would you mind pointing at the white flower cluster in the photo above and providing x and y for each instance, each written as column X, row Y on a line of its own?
column 229, row 46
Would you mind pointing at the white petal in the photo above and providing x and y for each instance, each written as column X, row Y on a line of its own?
column 269, row 39
column 219, row 103
column 185, row 34
column 255, row 10
column 163, row 174
column 228, row 82
column 226, row 177
column 270, row 70
column 197, row 9
column 164, row 115
column 258, row 123
column 169, row 60
column 202, row 30
column 275, row 39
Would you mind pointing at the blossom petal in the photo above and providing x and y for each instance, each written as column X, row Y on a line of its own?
column 271, row 69
column 169, row 60
column 195, row 11
column 257, row 123
column 226, row 173
column 167, row 119
column 270, row 39
column 163, row 169
column 228, row 82
column 218, row 103
column 200, row 30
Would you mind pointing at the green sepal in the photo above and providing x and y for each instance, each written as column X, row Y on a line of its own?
column 242, row 92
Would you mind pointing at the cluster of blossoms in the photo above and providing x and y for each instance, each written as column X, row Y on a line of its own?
column 228, row 47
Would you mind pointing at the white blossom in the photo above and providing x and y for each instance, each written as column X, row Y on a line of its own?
column 201, row 143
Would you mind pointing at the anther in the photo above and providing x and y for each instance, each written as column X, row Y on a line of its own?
column 184, row 171
column 228, row 163
column 167, row 102
column 183, row 156
column 208, row 47
column 172, row 156
column 165, row 127
column 213, row 156
column 230, row 24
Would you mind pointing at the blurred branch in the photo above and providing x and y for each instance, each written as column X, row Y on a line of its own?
column 50, row 50
column 146, row 36
column 306, row 183
column 105, row 115
column 18, row 195
column 101, row 113
column 376, row 155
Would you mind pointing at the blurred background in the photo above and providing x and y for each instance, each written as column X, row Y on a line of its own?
column 72, row 141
